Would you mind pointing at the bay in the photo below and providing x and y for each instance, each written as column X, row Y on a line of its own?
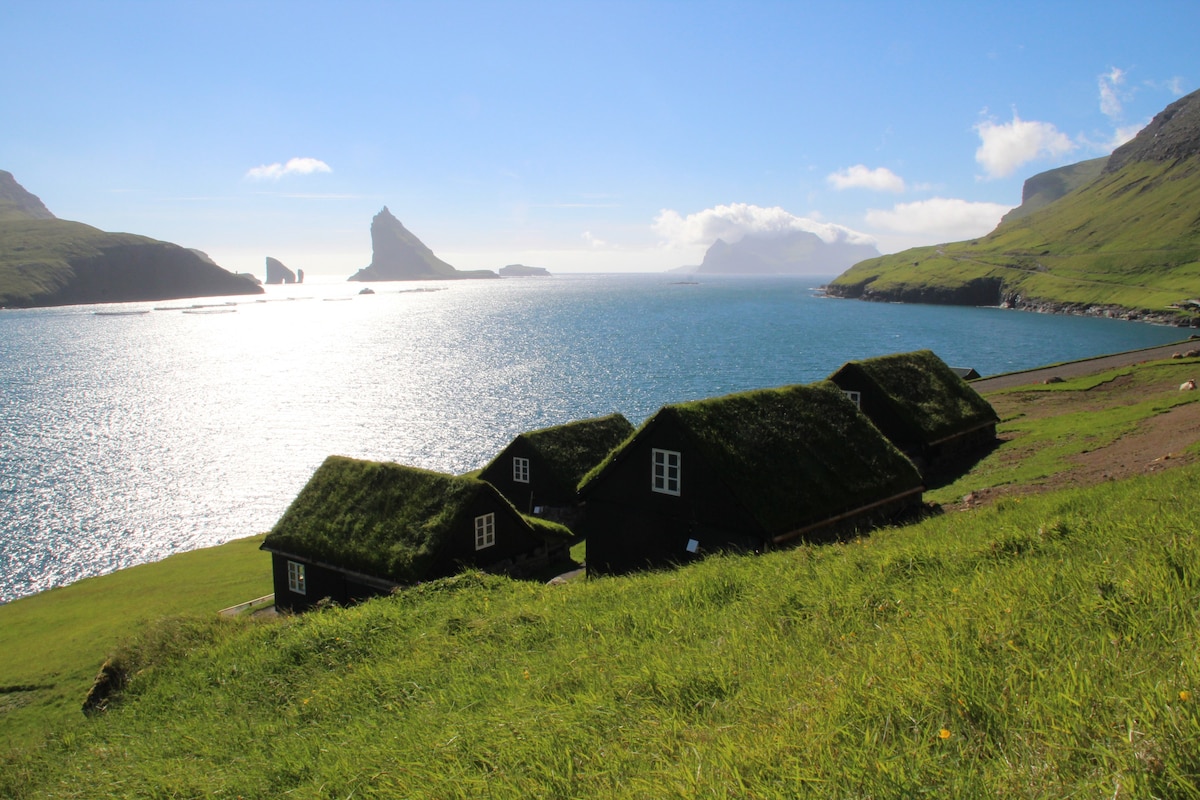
column 148, row 429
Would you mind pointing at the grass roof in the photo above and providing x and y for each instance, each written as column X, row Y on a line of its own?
column 572, row 449
column 924, row 393
column 382, row 519
column 793, row 456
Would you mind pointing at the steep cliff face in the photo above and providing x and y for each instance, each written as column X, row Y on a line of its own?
column 983, row 291
column 1173, row 135
column 45, row 261
column 1044, row 188
column 398, row 255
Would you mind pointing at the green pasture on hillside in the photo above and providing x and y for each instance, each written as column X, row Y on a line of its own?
column 1049, row 443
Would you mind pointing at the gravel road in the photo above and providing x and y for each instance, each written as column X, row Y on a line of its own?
column 1087, row 366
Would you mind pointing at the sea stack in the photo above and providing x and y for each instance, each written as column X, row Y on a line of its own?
column 397, row 255
column 277, row 273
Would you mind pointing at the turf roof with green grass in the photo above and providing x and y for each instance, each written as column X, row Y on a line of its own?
column 922, row 392
column 570, row 450
column 380, row 518
column 793, row 456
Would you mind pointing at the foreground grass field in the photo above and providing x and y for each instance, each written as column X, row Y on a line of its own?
column 1038, row 648
column 1043, row 645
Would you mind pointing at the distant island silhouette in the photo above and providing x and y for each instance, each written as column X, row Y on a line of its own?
column 784, row 253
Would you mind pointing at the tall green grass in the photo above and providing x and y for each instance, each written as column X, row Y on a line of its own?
column 1045, row 647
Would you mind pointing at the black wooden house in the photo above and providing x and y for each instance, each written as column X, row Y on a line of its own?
column 748, row 472
column 539, row 471
column 361, row 528
column 918, row 402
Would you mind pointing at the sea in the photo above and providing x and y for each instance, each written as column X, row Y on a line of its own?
column 130, row 432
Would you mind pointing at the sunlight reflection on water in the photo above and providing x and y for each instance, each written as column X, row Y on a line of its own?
column 127, row 438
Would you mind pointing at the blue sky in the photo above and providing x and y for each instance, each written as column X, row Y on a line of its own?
column 577, row 136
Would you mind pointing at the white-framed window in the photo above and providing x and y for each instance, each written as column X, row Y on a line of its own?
column 521, row 470
column 485, row 531
column 665, row 476
column 855, row 397
column 296, row 582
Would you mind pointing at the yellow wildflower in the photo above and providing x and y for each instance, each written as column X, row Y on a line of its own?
column 1185, row 695
column 944, row 733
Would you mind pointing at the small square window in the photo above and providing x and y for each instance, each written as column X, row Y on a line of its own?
column 855, row 398
column 485, row 531
column 296, row 583
column 665, row 476
column 521, row 470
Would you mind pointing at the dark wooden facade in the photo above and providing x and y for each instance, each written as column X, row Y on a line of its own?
column 922, row 406
column 630, row 526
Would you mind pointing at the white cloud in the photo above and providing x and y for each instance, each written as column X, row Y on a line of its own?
column 294, row 166
column 1110, row 99
column 593, row 241
column 734, row 221
column 880, row 179
column 946, row 218
column 1007, row 146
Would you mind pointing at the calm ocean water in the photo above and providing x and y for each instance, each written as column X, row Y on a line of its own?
column 126, row 438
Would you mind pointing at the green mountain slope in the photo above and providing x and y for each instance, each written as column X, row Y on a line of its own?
column 1126, row 243
column 45, row 261
column 1044, row 188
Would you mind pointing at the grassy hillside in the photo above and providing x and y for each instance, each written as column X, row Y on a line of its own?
column 52, row 643
column 1045, row 645
column 1046, row 187
column 1128, row 239
column 35, row 258
column 1086, row 249
column 1038, row 648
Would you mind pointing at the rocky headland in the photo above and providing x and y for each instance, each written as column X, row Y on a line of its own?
column 46, row 261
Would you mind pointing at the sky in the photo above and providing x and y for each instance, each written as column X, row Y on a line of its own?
column 576, row 136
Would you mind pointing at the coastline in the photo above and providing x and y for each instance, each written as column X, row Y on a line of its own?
column 1169, row 318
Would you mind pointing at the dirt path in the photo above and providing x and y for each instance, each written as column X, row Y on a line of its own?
column 1157, row 443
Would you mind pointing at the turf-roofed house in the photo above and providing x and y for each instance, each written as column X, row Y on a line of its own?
column 747, row 472
column 923, row 406
column 361, row 528
column 539, row 471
